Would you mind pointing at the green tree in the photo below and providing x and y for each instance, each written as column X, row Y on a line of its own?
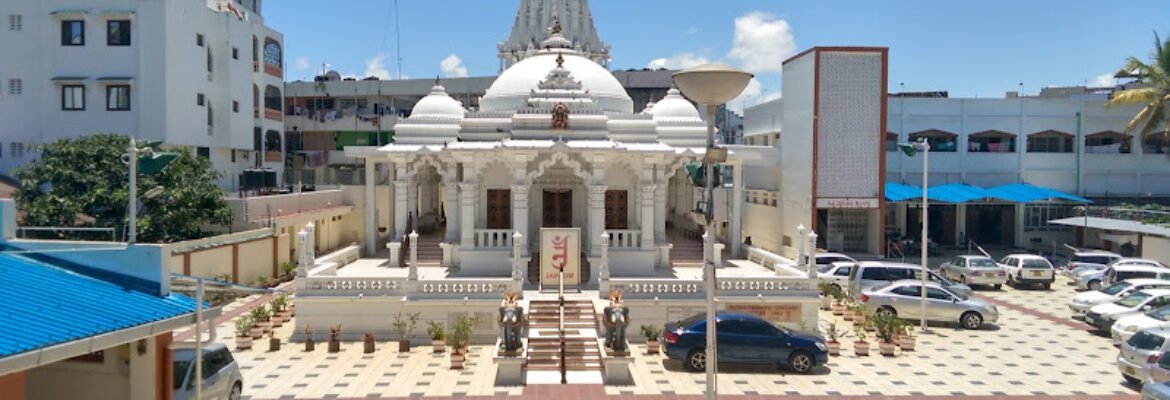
column 83, row 182
column 1153, row 93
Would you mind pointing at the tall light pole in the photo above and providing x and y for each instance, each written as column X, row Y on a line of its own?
column 711, row 85
column 152, row 162
column 924, row 241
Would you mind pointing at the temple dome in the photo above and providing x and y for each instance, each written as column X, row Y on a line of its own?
column 674, row 106
column 437, row 104
column 513, row 87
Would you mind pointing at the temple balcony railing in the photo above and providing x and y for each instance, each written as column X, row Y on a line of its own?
column 623, row 239
column 493, row 239
column 738, row 287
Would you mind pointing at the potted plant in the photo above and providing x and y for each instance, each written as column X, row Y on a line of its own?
column 291, row 307
column 279, row 306
column 860, row 346
column 825, row 288
column 273, row 341
column 438, row 333
column 404, row 324
column 458, row 341
column 834, row 335
column 887, row 327
column 275, row 318
column 368, row 342
column 652, row 333
column 289, row 270
column 243, row 332
column 906, row 340
column 847, row 309
column 261, row 317
column 309, row 345
column 335, row 339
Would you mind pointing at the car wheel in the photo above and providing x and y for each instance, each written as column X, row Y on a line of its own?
column 963, row 279
column 1094, row 285
column 697, row 360
column 971, row 320
column 1047, row 286
column 1132, row 380
column 800, row 362
column 838, row 288
column 886, row 311
column 237, row 391
column 998, row 286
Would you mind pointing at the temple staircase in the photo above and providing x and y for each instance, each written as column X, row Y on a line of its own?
column 566, row 352
column 429, row 252
column 686, row 253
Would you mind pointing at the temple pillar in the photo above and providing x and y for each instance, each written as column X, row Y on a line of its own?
column 648, row 211
column 371, row 216
column 735, row 213
column 660, row 211
column 596, row 217
column 452, row 212
column 401, row 187
column 468, row 193
column 520, row 213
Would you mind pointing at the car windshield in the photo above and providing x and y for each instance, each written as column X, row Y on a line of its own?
column 1034, row 263
column 1161, row 314
column 981, row 263
column 1115, row 288
column 1146, row 341
column 1091, row 259
column 689, row 322
column 1133, row 300
column 181, row 372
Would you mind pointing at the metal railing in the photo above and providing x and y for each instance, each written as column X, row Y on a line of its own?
column 23, row 232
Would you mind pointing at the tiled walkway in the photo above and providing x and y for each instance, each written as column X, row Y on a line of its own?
column 1035, row 351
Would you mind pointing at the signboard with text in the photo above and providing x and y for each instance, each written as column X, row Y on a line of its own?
column 560, row 250
column 847, row 203
column 775, row 313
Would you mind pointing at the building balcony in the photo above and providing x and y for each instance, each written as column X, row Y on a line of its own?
column 273, row 115
column 325, row 122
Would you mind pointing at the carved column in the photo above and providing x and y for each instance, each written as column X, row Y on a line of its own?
column 520, row 213
column 735, row 213
column 596, row 216
column 648, row 211
column 468, row 193
column 660, row 211
column 452, row 212
column 401, row 188
column 371, row 216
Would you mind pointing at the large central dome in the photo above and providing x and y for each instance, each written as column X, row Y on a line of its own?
column 513, row 87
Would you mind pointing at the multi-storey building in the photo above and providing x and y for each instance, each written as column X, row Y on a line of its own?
column 199, row 74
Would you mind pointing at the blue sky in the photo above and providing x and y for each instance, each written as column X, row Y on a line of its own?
column 971, row 48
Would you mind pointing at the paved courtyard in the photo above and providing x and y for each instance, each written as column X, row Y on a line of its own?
column 1034, row 350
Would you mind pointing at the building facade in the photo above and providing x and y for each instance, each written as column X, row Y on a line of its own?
column 205, row 75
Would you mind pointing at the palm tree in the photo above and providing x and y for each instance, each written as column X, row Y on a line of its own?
column 1153, row 93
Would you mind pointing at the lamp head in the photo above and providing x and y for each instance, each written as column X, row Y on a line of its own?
column 712, row 84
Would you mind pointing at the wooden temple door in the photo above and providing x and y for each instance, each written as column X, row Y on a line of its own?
column 499, row 209
column 617, row 209
column 558, row 209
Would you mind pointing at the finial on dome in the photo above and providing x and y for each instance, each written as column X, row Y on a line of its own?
column 560, row 60
column 437, row 80
column 556, row 28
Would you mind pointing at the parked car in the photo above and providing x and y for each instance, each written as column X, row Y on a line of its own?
column 1159, row 373
column 837, row 273
column 974, row 270
column 1160, row 391
column 1082, row 302
column 1092, row 259
column 903, row 299
column 868, row 274
column 1141, row 350
column 743, row 338
column 826, row 260
column 1119, row 271
column 221, row 374
column 1127, row 326
column 1102, row 316
column 1028, row 269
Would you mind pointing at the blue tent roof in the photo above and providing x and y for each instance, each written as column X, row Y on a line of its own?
column 43, row 305
column 956, row 193
column 899, row 192
column 1025, row 193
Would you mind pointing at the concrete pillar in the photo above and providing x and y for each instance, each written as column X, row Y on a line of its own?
column 735, row 213
column 371, row 209
column 517, row 265
column 413, row 275
column 810, row 264
column 412, row 200
column 960, row 223
column 401, row 186
column 468, row 193
column 7, row 219
column 660, row 211
column 603, row 273
column 520, row 213
column 596, row 216
column 452, row 212
column 1019, row 226
column 648, row 211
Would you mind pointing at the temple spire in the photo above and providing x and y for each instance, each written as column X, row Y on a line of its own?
column 536, row 19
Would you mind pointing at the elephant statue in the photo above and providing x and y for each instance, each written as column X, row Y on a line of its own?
column 511, row 320
column 616, row 318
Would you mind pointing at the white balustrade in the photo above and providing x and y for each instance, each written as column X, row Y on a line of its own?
column 326, row 286
column 727, row 287
column 761, row 197
column 500, row 239
column 625, row 239
column 466, row 288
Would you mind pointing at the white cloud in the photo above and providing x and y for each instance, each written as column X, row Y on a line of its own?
column 762, row 42
column 301, row 63
column 453, row 67
column 376, row 67
column 1103, row 80
column 678, row 61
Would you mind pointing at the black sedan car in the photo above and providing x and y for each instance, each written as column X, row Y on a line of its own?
column 743, row 338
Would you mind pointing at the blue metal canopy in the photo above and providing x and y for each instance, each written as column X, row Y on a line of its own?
column 1025, row 193
column 42, row 305
column 896, row 192
column 956, row 193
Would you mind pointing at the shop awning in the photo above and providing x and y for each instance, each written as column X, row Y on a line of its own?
column 897, row 192
column 1025, row 193
column 957, row 193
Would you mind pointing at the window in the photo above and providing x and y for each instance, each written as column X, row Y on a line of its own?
column 272, row 100
column 1038, row 215
column 73, row 97
column 938, row 294
column 199, row 99
column 235, row 106
column 209, row 61
column 909, row 291
column 991, row 141
column 16, row 149
column 1155, row 144
column 272, row 53
column 1108, row 142
column 1050, row 141
column 204, row 152
column 118, row 98
column 118, row 33
column 73, row 33
column 199, row 39
column 15, row 87
column 235, row 53
column 15, row 22
column 874, row 274
column 210, row 119
column 940, row 141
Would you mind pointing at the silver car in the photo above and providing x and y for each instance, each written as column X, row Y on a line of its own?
column 1090, row 279
column 1142, row 349
column 974, row 270
column 903, row 299
column 221, row 373
column 1156, row 391
column 868, row 274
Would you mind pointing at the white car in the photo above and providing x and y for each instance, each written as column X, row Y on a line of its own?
column 1082, row 302
column 837, row 273
column 826, row 260
column 1125, row 327
column 1028, row 269
column 1129, row 268
column 1102, row 316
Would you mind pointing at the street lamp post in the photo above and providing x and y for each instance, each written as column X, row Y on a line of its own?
column 153, row 161
column 711, row 85
column 923, row 241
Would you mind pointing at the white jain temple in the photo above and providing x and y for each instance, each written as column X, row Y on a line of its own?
column 556, row 143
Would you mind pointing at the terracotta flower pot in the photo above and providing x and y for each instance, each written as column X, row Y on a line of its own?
column 652, row 346
column 887, row 348
column 834, row 348
column 368, row 347
column 334, row 346
column 256, row 332
column 457, row 360
column 243, row 342
column 310, row 345
column 277, row 322
column 265, row 326
column 907, row 343
column 838, row 309
column 861, row 348
column 439, row 346
column 847, row 315
column 403, row 346
column 273, row 344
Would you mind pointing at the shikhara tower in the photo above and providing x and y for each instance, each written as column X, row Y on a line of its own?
column 533, row 20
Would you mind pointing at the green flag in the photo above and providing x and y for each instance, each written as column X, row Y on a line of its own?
column 697, row 174
column 908, row 148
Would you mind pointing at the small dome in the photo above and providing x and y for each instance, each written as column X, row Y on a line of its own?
column 674, row 106
column 438, row 104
